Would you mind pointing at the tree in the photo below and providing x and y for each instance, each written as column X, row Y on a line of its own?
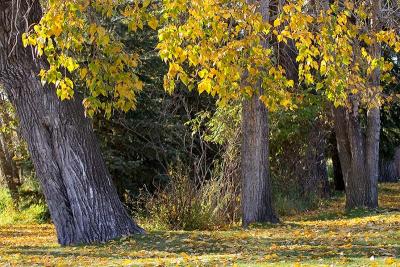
column 256, row 181
column 223, row 47
column 340, row 53
column 83, row 202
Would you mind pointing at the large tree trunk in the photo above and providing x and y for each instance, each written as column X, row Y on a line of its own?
column 373, row 114
column 358, row 149
column 354, row 154
column 83, row 202
column 256, row 183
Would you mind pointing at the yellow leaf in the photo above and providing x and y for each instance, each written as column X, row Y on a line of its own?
column 205, row 85
column 389, row 261
column 153, row 23
column 277, row 22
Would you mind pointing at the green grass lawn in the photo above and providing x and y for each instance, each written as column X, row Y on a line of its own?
column 324, row 237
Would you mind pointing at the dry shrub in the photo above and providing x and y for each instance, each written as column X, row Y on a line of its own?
column 188, row 205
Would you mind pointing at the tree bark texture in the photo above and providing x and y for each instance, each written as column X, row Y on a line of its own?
column 82, row 200
column 358, row 148
column 256, row 183
column 353, row 153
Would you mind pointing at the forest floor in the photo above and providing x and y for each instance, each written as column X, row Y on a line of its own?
column 324, row 237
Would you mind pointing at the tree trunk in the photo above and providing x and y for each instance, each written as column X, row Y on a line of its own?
column 353, row 156
column 256, row 185
column 82, row 200
column 359, row 151
column 373, row 113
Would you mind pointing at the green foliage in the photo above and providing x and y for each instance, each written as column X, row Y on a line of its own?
column 336, row 49
column 32, row 213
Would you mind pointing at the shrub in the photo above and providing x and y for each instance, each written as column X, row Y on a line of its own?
column 184, row 204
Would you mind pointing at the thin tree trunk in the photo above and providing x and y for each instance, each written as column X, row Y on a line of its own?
column 373, row 114
column 256, row 183
column 82, row 200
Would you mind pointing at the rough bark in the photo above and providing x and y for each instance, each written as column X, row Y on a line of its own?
column 359, row 149
column 82, row 200
column 353, row 154
column 256, row 183
column 373, row 114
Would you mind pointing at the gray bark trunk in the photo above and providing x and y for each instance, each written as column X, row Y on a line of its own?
column 82, row 200
column 359, row 151
column 256, row 183
column 353, row 154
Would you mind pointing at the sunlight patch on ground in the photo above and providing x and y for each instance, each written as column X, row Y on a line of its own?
column 327, row 237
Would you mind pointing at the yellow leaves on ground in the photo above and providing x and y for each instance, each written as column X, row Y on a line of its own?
column 324, row 237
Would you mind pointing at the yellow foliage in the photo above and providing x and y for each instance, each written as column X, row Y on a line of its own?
column 73, row 39
column 224, row 43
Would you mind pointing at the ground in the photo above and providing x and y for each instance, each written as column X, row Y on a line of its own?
column 325, row 237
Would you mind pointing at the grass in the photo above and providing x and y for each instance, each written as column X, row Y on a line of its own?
column 29, row 213
column 324, row 237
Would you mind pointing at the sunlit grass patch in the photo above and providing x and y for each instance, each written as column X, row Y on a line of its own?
column 307, row 239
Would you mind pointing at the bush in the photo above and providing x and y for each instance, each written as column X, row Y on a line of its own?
column 186, row 205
